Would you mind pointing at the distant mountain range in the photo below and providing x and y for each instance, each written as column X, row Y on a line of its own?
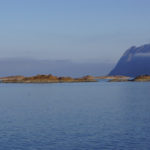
column 135, row 61
column 30, row 67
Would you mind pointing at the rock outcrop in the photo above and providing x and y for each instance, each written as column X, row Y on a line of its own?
column 142, row 78
column 45, row 79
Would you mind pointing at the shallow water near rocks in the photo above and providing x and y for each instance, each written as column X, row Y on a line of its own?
column 75, row 116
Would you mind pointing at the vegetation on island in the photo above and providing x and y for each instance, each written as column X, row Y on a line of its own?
column 45, row 79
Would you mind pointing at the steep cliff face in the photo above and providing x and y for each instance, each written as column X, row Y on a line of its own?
column 135, row 61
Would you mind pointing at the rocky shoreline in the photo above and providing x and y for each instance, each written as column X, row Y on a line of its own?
column 141, row 78
column 113, row 77
column 45, row 79
column 54, row 79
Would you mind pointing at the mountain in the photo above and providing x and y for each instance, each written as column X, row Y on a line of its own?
column 135, row 61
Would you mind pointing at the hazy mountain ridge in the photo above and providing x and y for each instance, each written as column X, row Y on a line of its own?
column 30, row 67
column 135, row 61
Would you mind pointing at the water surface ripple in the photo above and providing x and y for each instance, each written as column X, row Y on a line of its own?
column 75, row 116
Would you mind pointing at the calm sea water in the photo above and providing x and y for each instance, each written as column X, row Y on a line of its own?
column 75, row 116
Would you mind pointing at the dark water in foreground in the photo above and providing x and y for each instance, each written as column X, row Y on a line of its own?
column 75, row 116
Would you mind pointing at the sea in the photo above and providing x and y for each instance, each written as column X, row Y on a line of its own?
column 75, row 116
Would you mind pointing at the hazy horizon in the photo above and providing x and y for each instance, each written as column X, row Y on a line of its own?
column 80, row 31
column 29, row 67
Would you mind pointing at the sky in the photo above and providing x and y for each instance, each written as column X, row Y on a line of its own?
column 76, row 30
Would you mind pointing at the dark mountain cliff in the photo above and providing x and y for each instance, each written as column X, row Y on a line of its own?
column 135, row 61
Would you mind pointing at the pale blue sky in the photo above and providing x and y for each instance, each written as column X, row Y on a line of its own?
column 78, row 30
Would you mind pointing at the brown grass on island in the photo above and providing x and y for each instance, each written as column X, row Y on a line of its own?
column 45, row 79
column 54, row 79
column 142, row 78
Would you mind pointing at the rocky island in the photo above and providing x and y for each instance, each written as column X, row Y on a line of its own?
column 45, row 79
column 142, row 78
